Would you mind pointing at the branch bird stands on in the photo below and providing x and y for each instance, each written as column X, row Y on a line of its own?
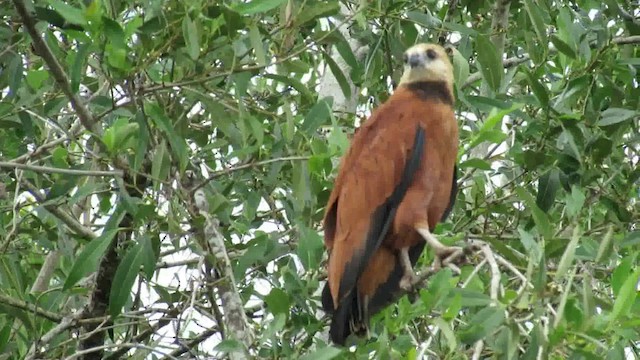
column 396, row 182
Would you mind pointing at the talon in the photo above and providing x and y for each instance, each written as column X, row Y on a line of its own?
column 408, row 280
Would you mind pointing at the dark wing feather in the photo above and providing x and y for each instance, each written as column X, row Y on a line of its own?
column 381, row 220
column 454, row 194
column 390, row 290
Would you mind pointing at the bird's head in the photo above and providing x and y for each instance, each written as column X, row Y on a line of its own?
column 427, row 62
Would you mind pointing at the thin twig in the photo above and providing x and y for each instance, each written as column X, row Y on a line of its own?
column 249, row 166
column 234, row 70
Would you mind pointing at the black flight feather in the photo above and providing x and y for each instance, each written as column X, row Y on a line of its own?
column 350, row 305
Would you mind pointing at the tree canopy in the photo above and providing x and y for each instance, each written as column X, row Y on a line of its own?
column 165, row 166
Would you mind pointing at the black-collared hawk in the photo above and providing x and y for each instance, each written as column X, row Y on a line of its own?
column 395, row 183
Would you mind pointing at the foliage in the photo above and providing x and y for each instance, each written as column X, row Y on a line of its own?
column 223, row 95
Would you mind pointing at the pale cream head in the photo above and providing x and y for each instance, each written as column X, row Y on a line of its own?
column 427, row 62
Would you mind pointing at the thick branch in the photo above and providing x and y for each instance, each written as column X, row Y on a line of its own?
column 55, row 68
column 93, row 337
column 329, row 86
column 41, row 283
column 236, row 323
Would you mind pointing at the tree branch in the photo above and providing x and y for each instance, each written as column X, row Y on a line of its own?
column 146, row 334
column 256, row 67
column 51, row 170
column 49, row 266
column 20, row 304
column 329, row 86
column 236, row 323
column 248, row 166
column 55, row 68
column 63, row 216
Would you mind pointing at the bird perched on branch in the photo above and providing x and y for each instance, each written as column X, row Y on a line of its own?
column 396, row 182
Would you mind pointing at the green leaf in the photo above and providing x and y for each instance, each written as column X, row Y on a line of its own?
column 191, row 37
column 460, row 68
column 339, row 75
column 541, row 219
column 548, row 186
column 317, row 10
column 256, row 6
column 471, row 298
column 475, row 163
column 632, row 239
column 539, row 90
column 490, row 62
column 35, row 78
column 125, row 276
column 68, row 12
column 78, row 65
column 535, row 14
column 310, row 247
column 114, row 33
column 178, row 144
column 482, row 324
column 613, row 116
column 149, row 257
column 496, row 116
column 228, row 346
column 325, row 353
column 462, row 29
column 604, row 244
column 317, row 116
column 300, row 186
column 569, row 254
column 447, row 331
column 160, row 162
column 15, row 71
column 87, row 260
column 278, row 301
column 59, row 157
column 61, row 187
column 142, row 140
column 425, row 19
column 626, row 297
column 257, row 129
column 621, row 273
column 256, row 43
column 575, row 201
column 115, row 137
column 294, row 83
column 5, row 334
column 563, row 47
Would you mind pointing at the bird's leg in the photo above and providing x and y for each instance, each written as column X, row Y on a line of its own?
column 445, row 255
column 409, row 278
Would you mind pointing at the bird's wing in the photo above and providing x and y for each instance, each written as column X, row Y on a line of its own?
column 373, row 178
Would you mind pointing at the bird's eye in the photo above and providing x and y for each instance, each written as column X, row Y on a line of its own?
column 431, row 54
column 405, row 58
